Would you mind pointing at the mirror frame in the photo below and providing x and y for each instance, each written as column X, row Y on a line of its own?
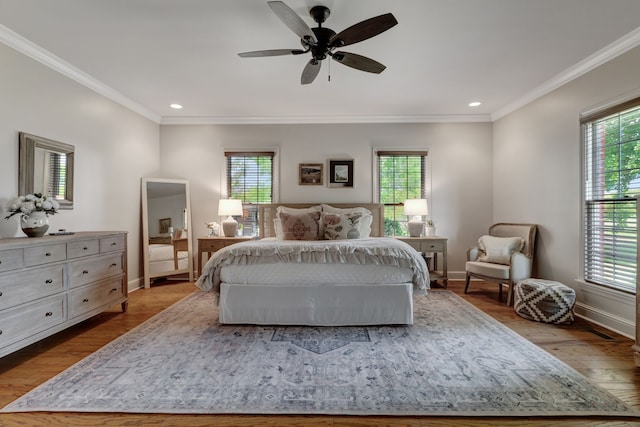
column 145, row 231
column 26, row 165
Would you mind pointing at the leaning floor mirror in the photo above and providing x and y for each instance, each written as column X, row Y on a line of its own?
column 166, row 238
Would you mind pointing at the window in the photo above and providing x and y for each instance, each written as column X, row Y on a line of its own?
column 611, row 180
column 401, row 176
column 250, row 179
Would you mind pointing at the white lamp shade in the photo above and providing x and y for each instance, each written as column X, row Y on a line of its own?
column 229, row 207
column 416, row 207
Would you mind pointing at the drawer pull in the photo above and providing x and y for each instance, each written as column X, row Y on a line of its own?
column 0, row 294
column 113, row 290
column 114, row 244
column 85, row 272
column 0, row 331
column 85, row 248
column 48, row 281
column 114, row 265
column 85, row 300
column 47, row 254
column 48, row 314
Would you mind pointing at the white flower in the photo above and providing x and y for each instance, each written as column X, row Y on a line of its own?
column 32, row 202
column 27, row 207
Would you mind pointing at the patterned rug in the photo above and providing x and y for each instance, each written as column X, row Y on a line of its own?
column 454, row 361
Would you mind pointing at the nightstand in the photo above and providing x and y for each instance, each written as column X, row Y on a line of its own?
column 209, row 245
column 431, row 244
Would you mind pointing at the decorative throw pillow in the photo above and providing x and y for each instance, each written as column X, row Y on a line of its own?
column 339, row 226
column 277, row 225
column 300, row 227
column 363, row 223
column 498, row 250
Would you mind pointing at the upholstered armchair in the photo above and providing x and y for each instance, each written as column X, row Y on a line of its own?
column 504, row 256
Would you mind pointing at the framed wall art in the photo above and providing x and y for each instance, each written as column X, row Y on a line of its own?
column 310, row 174
column 163, row 225
column 340, row 173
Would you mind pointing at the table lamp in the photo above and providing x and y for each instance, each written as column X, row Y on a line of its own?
column 415, row 208
column 229, row 207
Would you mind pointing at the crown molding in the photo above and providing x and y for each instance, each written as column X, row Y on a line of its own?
column 617, row 48
column 33, row 51
column 440, row 118
column 30, row 49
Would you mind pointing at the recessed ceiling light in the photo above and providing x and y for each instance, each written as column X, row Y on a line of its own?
column 175, row 106
column 474, row 103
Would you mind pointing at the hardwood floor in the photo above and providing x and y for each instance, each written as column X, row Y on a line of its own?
column 601, row 355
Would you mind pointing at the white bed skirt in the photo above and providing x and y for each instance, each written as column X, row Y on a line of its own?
column 317, row 305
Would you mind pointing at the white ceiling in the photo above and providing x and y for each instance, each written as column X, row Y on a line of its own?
column 442, row 55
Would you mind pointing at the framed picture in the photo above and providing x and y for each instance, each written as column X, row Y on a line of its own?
column 340, row 173
column 163, row 225
column 310, row 174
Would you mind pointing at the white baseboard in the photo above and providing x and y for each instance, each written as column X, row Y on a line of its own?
column 606, row 320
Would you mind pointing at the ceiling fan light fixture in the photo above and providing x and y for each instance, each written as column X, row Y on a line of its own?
column 176, row 106
column 475, row 104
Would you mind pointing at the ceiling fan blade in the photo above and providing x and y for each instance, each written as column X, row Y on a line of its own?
column 292, row 20
column 310, row 71
column 271, row 52
column 363, row 30
column 359, row 62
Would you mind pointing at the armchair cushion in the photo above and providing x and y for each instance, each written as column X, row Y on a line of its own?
column 498, row 250
column 486, row 269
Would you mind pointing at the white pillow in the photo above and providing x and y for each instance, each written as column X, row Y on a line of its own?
column 364, row 226
column 498, row 250
column 277, row 225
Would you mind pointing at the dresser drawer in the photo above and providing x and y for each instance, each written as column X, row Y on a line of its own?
column 11, row 259
column 29, row 319
column 83, row 248
column 18, row 288
column 87, row 298
column 36, row 255
column 114, row 243
column 84, row 271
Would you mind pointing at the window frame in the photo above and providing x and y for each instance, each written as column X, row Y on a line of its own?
column 403, row 151
column 621, row 243
column 275, row 174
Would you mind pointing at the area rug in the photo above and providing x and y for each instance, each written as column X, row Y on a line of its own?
column 454, row 361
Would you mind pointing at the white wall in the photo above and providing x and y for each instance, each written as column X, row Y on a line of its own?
column 537, row 178
column 114, row 148
column 460, row 158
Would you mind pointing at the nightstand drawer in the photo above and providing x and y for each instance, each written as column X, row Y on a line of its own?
column 435, row 246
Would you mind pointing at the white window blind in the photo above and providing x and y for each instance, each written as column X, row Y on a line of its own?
column 611, row 180
column 250, row 179
column 401, row 176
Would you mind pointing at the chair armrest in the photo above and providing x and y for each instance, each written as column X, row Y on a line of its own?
column 473, row 253
column 520, row 267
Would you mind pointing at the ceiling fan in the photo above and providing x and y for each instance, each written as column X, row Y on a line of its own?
column 322, row 42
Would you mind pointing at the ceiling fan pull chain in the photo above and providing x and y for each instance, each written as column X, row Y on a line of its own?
column 329, row 76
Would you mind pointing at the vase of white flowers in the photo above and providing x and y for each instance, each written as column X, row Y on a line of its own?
column 34, row 210
column 430, row 229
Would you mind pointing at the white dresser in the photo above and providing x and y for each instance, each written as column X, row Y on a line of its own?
column 50, row 283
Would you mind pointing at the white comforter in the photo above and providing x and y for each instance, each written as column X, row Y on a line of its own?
column 380, row 251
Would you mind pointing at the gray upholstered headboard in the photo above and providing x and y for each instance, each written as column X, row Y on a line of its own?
column 267, row 213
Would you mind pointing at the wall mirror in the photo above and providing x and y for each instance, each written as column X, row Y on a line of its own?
column 46, row 166
column 166, row 238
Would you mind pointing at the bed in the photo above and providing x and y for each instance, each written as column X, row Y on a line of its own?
column 167, row 255
column 279, row 280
